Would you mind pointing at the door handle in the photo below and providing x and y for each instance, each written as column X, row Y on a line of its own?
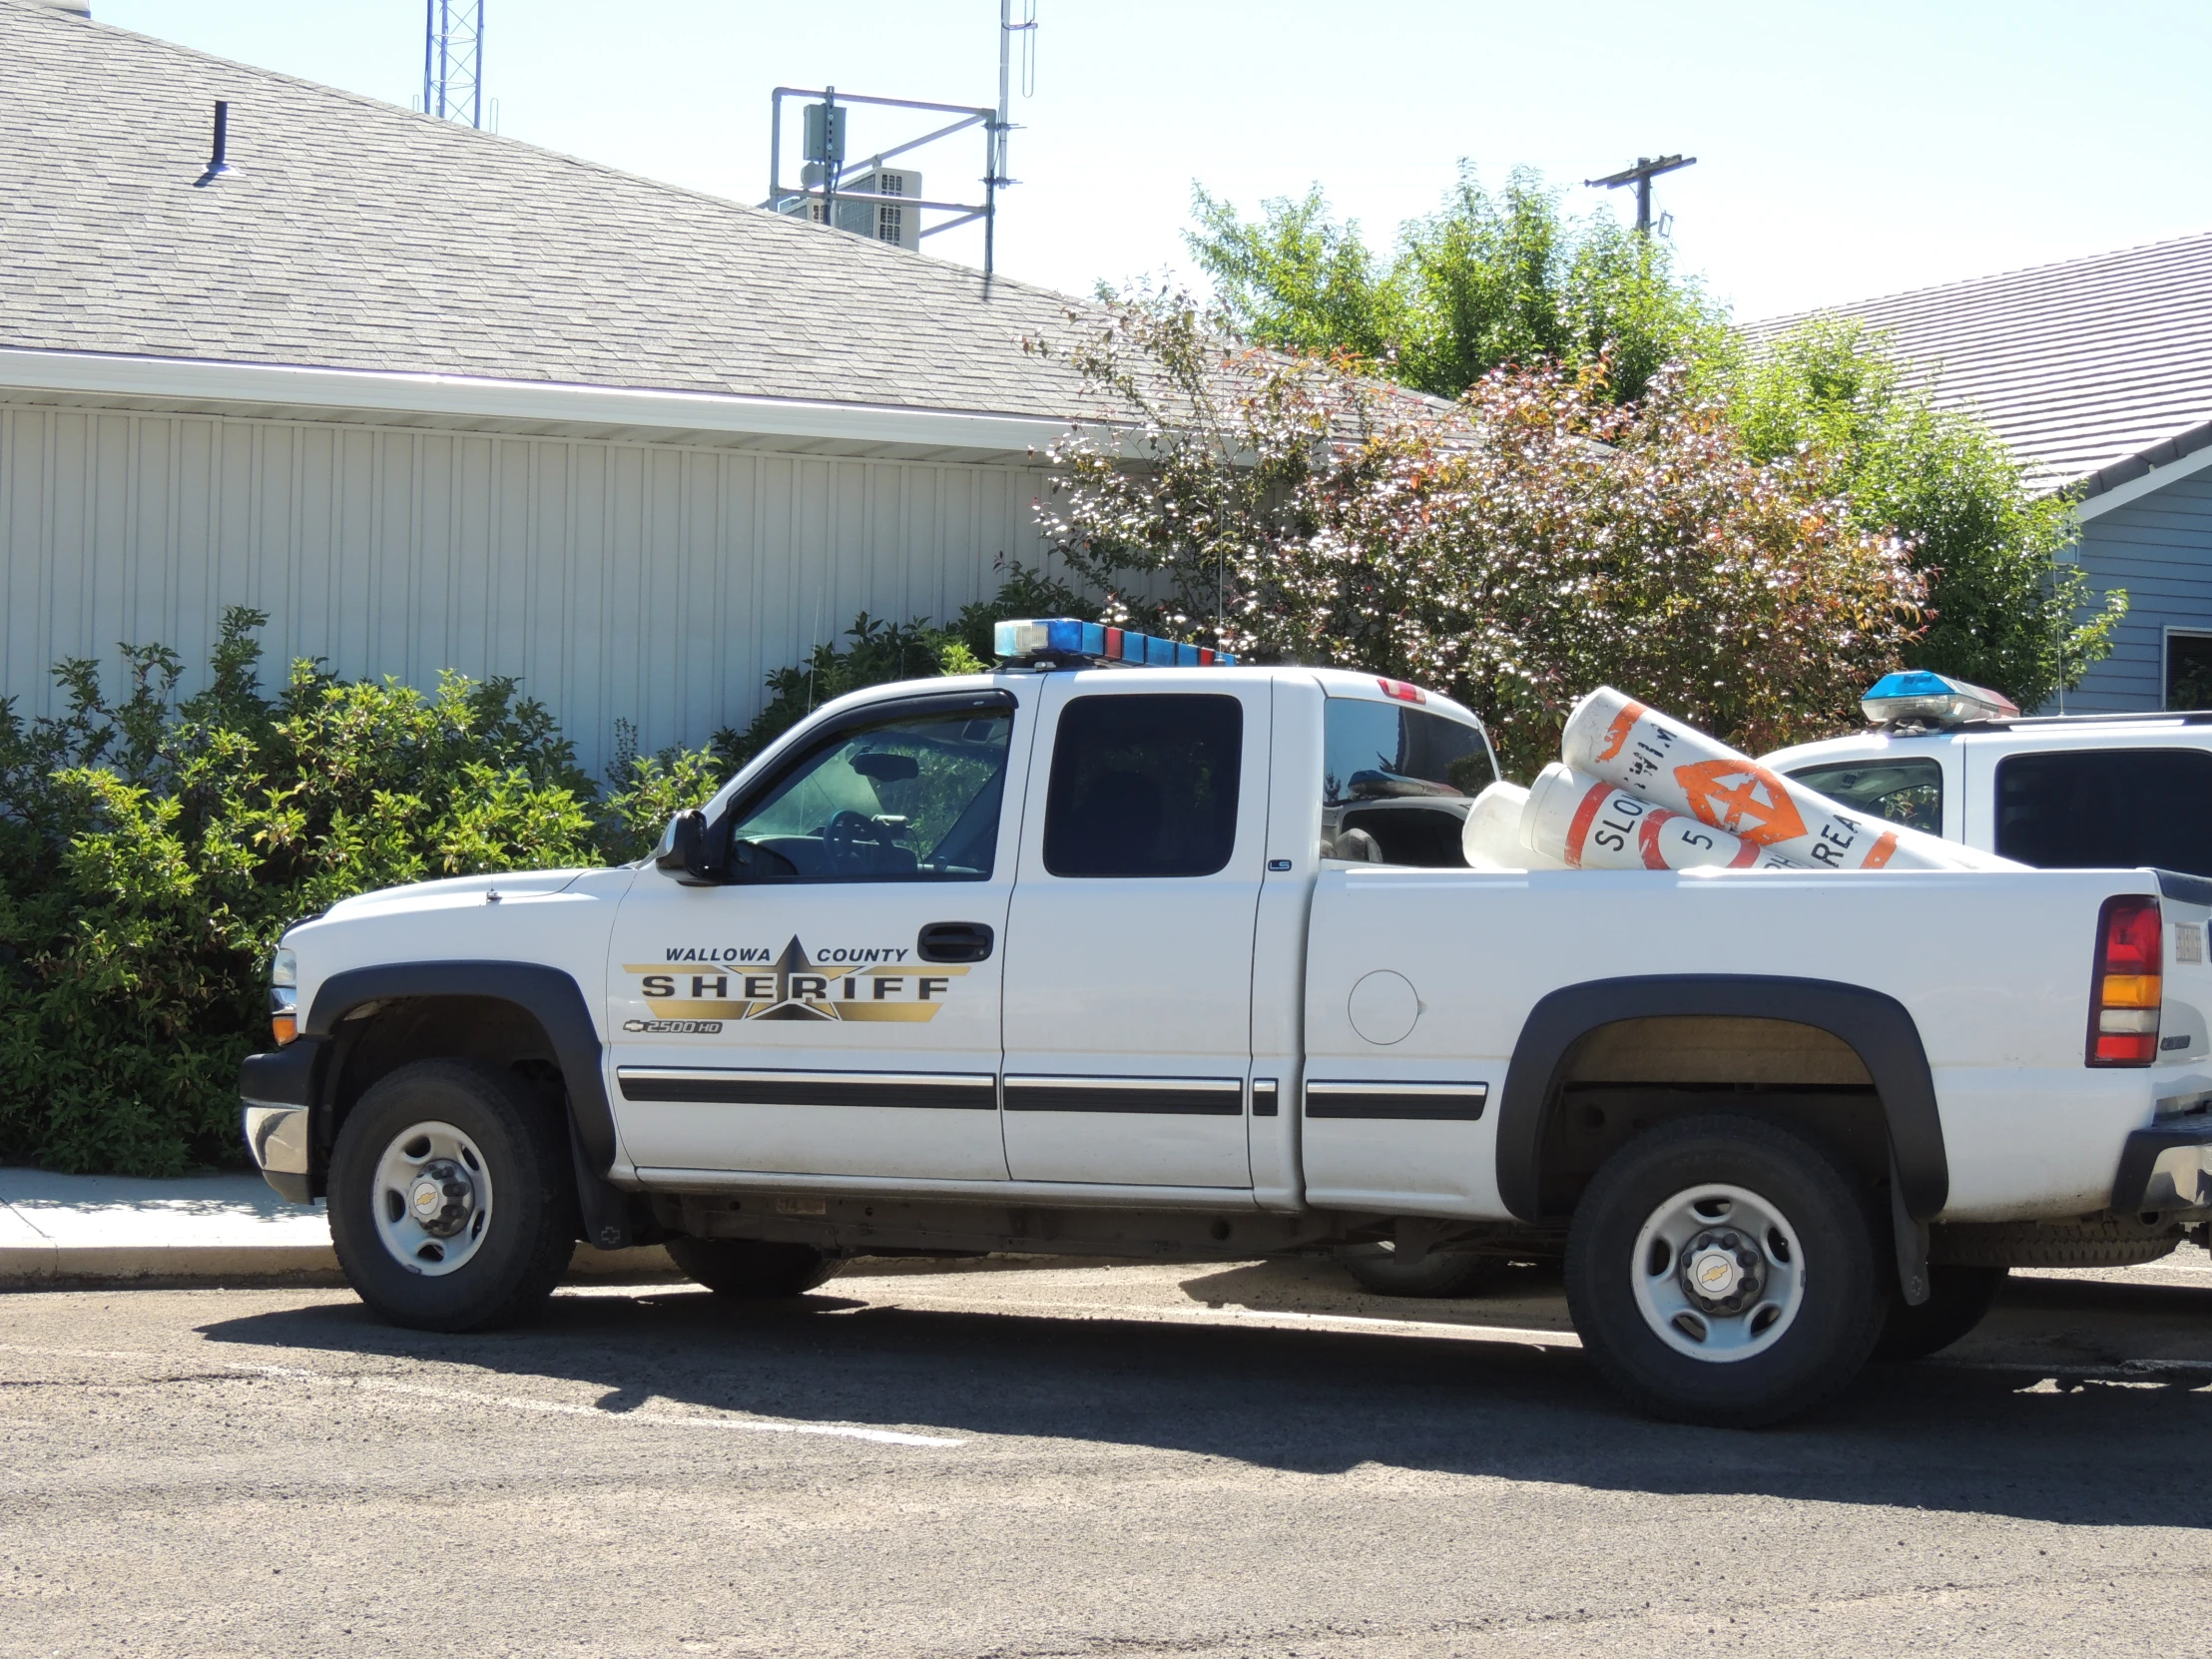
column 954, row 941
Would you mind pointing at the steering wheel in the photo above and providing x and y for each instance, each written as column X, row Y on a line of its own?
column 841, row 840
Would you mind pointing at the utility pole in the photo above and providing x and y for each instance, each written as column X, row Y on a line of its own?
column 1647, row 168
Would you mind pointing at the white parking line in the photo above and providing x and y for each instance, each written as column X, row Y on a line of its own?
column 649, row 1419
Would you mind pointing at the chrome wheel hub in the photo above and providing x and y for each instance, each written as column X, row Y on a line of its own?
column 1718, row 1274
column 433, row 1198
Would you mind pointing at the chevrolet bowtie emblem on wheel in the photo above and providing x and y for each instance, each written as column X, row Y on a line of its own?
column 845, row 984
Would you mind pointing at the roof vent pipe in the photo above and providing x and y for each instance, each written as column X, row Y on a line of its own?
column 218, row 163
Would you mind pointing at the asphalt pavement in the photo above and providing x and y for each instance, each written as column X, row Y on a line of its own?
column 1205, row 1463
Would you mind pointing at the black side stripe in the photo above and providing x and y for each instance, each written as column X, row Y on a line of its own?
column 935, row 1090
column 1181, row 1096
column 1419, row 1102
column 1264, row 1097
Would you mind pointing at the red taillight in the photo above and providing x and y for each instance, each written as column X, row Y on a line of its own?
column 1401, row 692
column 2126, row 987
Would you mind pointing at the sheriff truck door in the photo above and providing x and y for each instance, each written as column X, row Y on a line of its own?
column 835, row 1012
column 1129, row 949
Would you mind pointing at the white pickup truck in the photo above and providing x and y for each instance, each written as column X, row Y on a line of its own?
column 1058, row 959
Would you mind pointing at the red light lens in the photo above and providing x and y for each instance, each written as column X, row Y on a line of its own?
column 1113, row 645
column 2126, row 986
column 1401, row 692
column 2138, row 1048
column 2132, row 939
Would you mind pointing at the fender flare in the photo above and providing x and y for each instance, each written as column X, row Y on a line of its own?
column 1876, row 1027
column 549, row 995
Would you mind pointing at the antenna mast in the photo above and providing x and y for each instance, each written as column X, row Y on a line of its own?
column 880, row 200
column 453, row 60
column 1641, row 174
column 1007, row 29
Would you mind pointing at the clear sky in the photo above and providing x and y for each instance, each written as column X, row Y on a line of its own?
column 1843, row 150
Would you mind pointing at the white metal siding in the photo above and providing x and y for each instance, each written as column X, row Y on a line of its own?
column 649, row 582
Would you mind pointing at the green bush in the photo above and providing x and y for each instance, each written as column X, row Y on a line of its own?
column 152, row 850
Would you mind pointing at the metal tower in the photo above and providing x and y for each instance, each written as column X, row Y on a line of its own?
column 453, row 60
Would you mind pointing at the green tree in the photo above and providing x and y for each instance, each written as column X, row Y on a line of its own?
column 2004, row 610
column 1517, row 549
column 1484, row 282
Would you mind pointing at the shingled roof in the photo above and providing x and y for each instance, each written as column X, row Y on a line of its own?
column 356, row 235
column 2093, row 370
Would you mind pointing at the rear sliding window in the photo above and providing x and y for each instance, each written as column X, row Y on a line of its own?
column 1386, row 752
column 2107, row 809
column 1907, row 791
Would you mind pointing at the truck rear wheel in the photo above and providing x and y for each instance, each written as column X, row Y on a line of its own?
column 1723, row 1271
column 1958, row 1298
column 751, row 1270
column 1439, row 1272
column 452, row 1200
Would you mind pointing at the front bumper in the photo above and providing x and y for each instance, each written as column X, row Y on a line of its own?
column 278, row 1138
column 2166, row 1169
column 279, row 1092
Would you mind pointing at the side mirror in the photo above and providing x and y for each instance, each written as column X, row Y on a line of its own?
column 683, row 851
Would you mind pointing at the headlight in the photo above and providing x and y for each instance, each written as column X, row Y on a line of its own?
column 283, row 997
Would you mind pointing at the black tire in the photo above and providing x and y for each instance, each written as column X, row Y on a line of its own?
column 2097, row 1242
column 1813, row 1353
column 1957, row 1301
column 751, row 1270
column 529, row 1224
column 1439, row 1272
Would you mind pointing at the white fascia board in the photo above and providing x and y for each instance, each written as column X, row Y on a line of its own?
column 2157, row 479
column 462, row 397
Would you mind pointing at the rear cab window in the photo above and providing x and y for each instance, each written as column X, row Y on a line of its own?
column 1397, row 779
column 2106, row 809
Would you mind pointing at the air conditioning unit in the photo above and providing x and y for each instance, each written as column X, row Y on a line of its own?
column 877, row 221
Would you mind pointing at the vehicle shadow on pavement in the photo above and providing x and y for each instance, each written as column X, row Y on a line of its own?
column 2034, row 1443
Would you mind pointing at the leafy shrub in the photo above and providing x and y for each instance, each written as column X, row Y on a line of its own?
column 153, row 850
column 882, row 652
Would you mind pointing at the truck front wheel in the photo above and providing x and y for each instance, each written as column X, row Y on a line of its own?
column 1723, row 1271
column 452, row 1199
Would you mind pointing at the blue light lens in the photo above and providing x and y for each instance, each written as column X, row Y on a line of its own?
column 1159, row 653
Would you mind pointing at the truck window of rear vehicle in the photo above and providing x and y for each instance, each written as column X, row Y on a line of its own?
column 1144, row 785
column 1906, row 791
column 2106, row 809
column 1388, row 772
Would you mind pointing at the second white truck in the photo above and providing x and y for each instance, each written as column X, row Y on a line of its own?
column 1174, row 964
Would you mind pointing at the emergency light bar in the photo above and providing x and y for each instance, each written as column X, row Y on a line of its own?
column 1934, row 698
column 1065, row 639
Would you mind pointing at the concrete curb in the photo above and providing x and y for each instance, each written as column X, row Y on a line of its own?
column 53, row 1266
